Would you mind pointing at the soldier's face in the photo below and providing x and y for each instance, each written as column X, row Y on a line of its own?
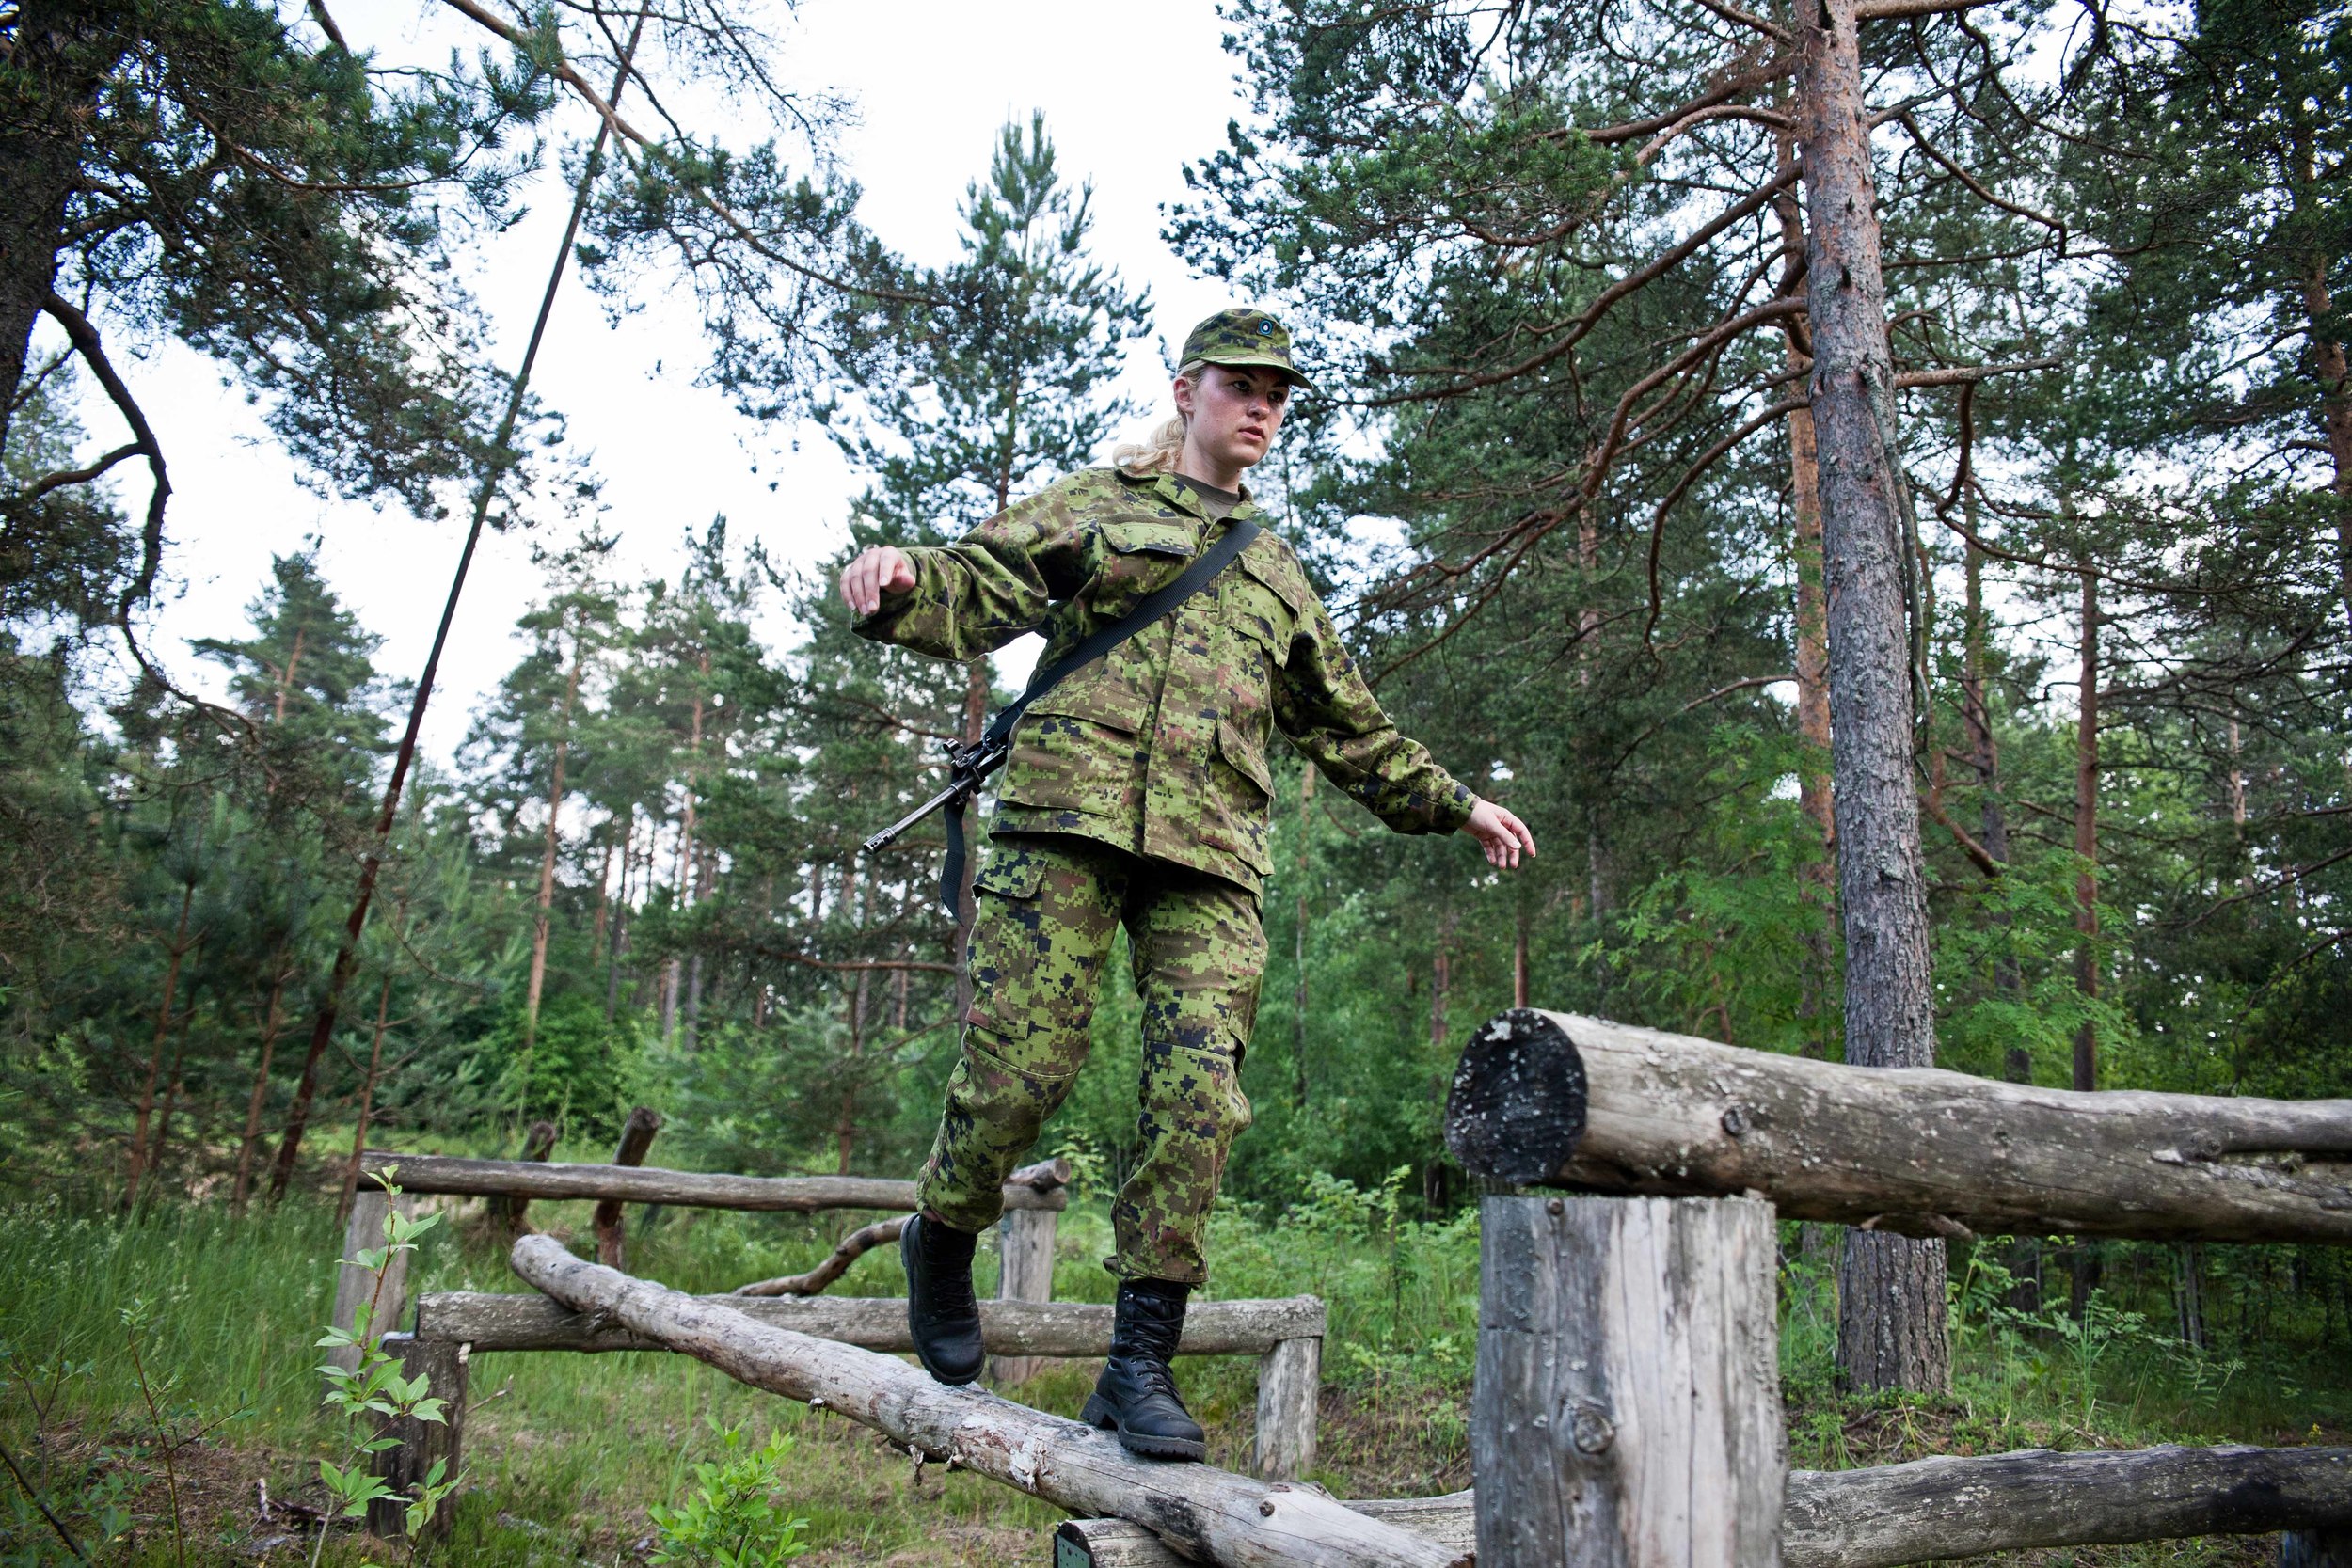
column 1233, row 412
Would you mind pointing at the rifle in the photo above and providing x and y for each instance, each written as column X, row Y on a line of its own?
column 968, row 767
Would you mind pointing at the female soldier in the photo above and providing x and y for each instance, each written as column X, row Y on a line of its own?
column 1136, row 793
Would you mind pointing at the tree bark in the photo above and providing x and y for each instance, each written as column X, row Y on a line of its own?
column 280, row 972
column 1881, row 883
column 619, row 942
column 39, row 162
column 1557, row 1099
column 367, row 1101
column 2329, row 362
column 2087, row 836
column 546, row 857
column 155, row 1057
column 371, row 866
column 1984, row 759
column 1219, row 1517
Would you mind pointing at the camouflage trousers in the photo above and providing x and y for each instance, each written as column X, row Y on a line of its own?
column 1048, row 909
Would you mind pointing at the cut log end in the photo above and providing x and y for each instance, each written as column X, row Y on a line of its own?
column 1517, row 1110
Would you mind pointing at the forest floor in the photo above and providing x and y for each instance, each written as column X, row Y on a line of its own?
column 187, row 1321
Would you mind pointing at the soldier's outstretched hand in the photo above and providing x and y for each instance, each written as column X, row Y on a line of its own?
column 876, row 571
column 1500, row 834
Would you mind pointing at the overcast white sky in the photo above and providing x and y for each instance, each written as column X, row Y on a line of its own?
column 1130, row 94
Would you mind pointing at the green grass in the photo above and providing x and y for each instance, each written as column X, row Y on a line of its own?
column 565, row 1452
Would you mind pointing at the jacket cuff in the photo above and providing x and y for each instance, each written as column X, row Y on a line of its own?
column 1452, row 809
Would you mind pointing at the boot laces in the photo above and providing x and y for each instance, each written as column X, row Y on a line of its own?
column 1157, row 1377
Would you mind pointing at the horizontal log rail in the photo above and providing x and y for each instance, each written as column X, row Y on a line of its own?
column 1553, row 1099
column 491, row 1322
column 1040, row 1187
column 1934, row 1510
column 1214, row 1515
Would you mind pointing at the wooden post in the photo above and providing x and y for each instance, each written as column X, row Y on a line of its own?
column 508, row 1211
column 2324, row 1549
column 636, row 1137
column 444, row 1366
column 1626, row 1410
column 1024, row 1240
column 355, row 1285
column 1289, row 1381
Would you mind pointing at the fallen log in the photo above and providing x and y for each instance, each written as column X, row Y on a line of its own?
column 856, row 1244
column 1033, row 1187
column 1934, row 1510
column 1445, row 1522
column 517, row 1322
column 1214, row 1515
column 1931, row 1509
column 1553, row 1099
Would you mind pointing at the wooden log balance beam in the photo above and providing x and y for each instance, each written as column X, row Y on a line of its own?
column 1213, row 1516
column 1555, row 1099
column 1286, row 1335
column 1039, row 1186
column 515, row 1323
column 1934, row 1510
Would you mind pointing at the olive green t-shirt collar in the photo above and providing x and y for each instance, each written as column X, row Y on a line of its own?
column 1179, row 492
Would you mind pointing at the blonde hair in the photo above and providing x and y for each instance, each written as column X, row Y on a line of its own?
column 1158, row 452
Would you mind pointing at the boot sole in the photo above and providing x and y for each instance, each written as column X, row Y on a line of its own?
column 1097, row 1413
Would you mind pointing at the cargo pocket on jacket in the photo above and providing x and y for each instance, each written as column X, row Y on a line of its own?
column 1236, row 821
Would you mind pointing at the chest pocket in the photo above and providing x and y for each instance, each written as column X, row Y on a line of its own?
column 1264, row 601
column 1138, row 555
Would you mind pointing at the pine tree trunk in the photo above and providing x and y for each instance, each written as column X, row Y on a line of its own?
column 2086, row 837
column 173, row 1095
column 604, row 899
column 1892, row 1323
column 1984, row 759
column 620, row 922
column 366, row 1104
column 546, row 857
column 40, row 162
column 2330, row 364
column 155, row 1057
column 271, row 1021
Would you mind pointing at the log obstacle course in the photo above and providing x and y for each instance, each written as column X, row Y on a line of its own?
column 1627, row 1408
column 1021, row 1328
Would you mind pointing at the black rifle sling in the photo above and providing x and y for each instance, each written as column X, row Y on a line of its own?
column 985, row 757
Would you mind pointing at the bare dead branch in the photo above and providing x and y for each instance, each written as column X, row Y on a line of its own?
column 2031, row 215
column 58, row 481
column 1723, row 91
column 1470, row 380
column 632, row 137
column 851, row 1248
column 1771, row 118
column 1881, row 10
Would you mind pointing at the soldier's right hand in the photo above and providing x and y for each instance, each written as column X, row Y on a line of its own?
column 877, row 571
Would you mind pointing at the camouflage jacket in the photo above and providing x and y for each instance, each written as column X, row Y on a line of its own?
column 1159, row 747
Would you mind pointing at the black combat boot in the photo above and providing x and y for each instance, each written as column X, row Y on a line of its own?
column 942, row 1312
column 1135, row 1395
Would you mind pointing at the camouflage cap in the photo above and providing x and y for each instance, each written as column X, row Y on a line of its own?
column 1242, row 336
